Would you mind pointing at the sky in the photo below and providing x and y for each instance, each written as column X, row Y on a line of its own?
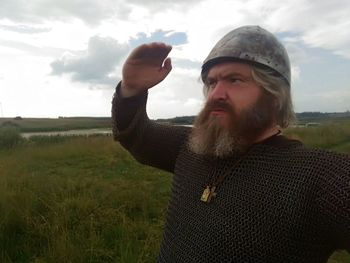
column 64, row 58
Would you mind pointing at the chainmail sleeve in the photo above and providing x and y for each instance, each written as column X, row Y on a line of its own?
column 334, row 197
column 150, row 143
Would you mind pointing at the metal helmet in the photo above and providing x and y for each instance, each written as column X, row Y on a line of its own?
column 251, row 44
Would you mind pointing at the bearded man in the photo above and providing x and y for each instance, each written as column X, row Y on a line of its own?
column 241, row 191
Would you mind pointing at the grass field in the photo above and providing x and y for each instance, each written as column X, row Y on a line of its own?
column 55, row 124
column 86, row 200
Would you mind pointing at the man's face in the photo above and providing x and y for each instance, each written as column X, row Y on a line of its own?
column 236, row 113
column 231, row 83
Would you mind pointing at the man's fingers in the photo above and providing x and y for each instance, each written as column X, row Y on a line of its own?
column 167, row 64
column 164, row 48
column 146, row 66
column 155, row 50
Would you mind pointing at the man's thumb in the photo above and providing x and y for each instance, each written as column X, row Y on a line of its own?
column 167, row 65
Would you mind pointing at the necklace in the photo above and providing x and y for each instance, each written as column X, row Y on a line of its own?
column 210, row 190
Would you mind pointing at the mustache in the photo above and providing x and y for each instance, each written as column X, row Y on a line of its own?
column 215, row 105
column 218, row 105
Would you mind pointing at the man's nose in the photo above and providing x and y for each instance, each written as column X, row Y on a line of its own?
column 219, row 92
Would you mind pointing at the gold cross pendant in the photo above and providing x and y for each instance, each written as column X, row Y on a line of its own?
column 208, row 193
column 205, row 195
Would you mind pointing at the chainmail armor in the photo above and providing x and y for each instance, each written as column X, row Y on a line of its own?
column 282, row 203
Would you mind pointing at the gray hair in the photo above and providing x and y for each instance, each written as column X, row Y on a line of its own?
column 278, row 87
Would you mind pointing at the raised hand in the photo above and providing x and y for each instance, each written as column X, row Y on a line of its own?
column 146, row 66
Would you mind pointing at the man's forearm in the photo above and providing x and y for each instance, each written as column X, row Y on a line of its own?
column 125, row 108
column 149, row 142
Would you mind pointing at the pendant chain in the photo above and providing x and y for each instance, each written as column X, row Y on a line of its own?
column 210, row 190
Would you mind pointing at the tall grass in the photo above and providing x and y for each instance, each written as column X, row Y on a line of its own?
column 76, row 199
column 52, row 124
column 331, row 136
column 83, row 200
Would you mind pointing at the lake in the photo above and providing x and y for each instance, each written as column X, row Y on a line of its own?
column 86, row 132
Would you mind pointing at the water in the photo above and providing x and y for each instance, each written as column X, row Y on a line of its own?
column 86, row 132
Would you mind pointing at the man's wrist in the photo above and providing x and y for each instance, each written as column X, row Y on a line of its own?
column 126, row 92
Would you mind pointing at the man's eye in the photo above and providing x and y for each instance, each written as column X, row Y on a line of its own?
column 211, row 83
column 235, row 80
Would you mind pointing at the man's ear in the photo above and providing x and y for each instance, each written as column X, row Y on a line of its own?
column 276, row 104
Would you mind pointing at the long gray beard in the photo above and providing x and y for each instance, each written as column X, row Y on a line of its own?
column 214, row 140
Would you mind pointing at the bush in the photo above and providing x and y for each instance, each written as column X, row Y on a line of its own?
column 9, row 124
column 9, row 137
column 48, row 139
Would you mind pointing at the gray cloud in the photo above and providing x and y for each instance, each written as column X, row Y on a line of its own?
column 160, row 2
column 36, row 11
column 95, row 65
column 159, row 5
column 25, row 29
column 91, row 12
column 324, row 24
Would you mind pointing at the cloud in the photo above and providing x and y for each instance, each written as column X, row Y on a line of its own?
column 186, row 64
column 31, row 49
column 318, row 23
column 162, row 5
column 323, row 24
column 36, row 11
column 95, row 65
column 58, row 34
column 331, row 37
column 92, row 12
column 162, row 2
column 25, row 29
column 170, row 37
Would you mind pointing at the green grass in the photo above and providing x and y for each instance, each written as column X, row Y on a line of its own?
column 83, row 200
column 56, row 124
column 77, row 199
column 331, row 136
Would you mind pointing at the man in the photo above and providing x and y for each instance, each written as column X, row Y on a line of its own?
column 241, row 191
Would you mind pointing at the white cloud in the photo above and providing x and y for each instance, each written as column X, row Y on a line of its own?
column 323, row 24
column 38, row 11
column 87, row 42
column 26, row 29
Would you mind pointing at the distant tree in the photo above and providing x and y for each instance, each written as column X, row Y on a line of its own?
column 9, row 137
column 184, row 120
column 9, row 124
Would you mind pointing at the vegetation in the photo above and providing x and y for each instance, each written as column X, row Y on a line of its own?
column 52, row 124
column 303, row 118
column 329, row 135
column 9, row 137
column 79, row 200
column 75, row 123
column 84, row 199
